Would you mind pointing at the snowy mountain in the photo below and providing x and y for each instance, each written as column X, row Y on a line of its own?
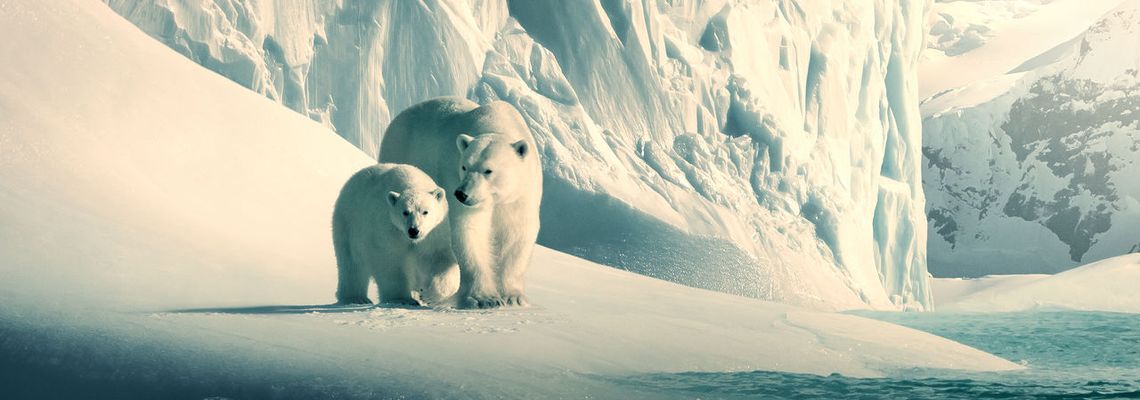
column 1034, row 170
column 762, row 148
column 165, row 234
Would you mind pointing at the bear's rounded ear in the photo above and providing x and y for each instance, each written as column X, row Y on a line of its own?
column 438, row 193
column 393, row 197
column 521, row 148
column 463, row 141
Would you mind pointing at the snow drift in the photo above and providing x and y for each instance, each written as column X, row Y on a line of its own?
column 1107, row 285
column 163, row 230
column 762, row 148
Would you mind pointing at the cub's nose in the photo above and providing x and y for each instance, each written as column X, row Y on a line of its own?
column 459, row 195
column 413, row 233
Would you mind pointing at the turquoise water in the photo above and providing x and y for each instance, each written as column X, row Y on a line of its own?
column 1069, row 355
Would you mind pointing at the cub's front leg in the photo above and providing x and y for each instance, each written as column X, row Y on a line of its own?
column 394, row 285
column 437, row 275
column 352, row 277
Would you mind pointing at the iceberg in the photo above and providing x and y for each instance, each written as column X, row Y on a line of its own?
column 768, row 149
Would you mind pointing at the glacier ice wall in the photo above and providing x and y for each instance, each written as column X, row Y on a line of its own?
column 1042, row 177
column 770, row 148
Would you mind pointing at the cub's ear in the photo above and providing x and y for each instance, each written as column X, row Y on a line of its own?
column 521, row 148
column 463, row 141
column 438, row 193
column 393, row 197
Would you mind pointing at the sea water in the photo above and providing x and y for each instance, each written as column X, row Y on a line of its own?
column 1068, row 354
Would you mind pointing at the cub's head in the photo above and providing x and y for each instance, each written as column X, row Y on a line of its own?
column 491, row 167
column 416, row 213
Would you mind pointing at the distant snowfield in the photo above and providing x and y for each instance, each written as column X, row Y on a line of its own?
column 1014, row 42
column 172, row 236
column 1107, row 285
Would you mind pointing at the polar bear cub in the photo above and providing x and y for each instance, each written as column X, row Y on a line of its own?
column 390, row 224
column 485, row 157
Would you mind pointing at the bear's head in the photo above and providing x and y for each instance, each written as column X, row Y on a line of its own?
column 417, row 213
column 490, row 168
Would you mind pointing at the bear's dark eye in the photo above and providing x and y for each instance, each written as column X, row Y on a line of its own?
column 488, row 172
column 425, row 212
column 464, row 168
column 405, row 213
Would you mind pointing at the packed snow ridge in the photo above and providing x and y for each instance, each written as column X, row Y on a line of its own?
column 166, row 234
column 770, row 149
column 1033, row 170
column 1106, row 285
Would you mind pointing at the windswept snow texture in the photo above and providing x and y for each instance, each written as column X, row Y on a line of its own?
column 959, row 26
column 1107, row 285
column 973, row 41
column 166, row 235
column 1041, row 175
column 770, row 149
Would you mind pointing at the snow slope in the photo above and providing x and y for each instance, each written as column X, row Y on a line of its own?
column 165, row 233
column 1107, row 285
column 1035, row 171
column 770, row 149
column 957, row 27
column 999, row 36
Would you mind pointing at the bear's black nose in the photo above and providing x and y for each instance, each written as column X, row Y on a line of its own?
column 413, row 233
column 462, row 197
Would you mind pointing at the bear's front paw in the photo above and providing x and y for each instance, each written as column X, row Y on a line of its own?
column 486, row 301
column 403, row 301
column 516, row 299
column 353, row 301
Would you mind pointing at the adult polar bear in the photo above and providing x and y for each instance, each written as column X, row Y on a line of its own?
column 485, row 157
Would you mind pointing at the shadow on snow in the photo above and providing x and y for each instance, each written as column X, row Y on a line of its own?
column 292, row 309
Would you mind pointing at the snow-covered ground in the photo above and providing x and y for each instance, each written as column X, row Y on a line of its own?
column 1107, row 285
column 166, row 231
column 763, row 148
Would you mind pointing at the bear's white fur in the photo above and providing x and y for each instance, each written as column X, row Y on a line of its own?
column 486, row 155
column 390, row 224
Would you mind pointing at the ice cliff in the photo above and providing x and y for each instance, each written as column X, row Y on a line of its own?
column 770, row 149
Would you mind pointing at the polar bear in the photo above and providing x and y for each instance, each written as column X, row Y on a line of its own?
column 485, row 157
column 390, row 224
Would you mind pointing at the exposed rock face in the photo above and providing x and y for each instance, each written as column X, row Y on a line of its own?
column 1049, row 165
